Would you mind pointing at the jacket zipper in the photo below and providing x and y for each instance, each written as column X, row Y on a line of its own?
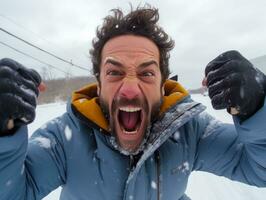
column 157, row 158
column 131, row 163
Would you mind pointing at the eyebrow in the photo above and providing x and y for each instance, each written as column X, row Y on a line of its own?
column 113, row 62
column 148, row 63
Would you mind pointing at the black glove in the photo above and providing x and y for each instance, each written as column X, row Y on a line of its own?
column 18, row 95
column 235, row 84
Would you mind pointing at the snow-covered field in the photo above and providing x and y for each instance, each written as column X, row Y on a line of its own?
column 202, row 186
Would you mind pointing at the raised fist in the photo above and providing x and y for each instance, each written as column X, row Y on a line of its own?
column 18, row 95
column 233, row 83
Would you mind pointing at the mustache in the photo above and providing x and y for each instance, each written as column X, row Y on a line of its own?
column 136, row 102
column 122, row 101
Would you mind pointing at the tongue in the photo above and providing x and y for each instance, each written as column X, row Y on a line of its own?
column 129, row 120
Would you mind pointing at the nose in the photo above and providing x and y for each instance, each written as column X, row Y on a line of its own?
column 130, row 89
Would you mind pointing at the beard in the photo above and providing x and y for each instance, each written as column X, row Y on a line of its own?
column 151, row 113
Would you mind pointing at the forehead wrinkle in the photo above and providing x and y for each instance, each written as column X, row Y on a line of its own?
column 132, row 60
column 131, row 51
column 129, row 56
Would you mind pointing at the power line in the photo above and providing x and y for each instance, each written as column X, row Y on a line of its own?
column 51, row 54
column 25, row 54
column 28, row 30
column 72, row 64
column 24, row 28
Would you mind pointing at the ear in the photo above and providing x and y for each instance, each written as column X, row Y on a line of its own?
column 162, row 89
column 98, row 89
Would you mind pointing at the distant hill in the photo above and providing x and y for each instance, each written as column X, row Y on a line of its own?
column 260, row 62
column 61, row 89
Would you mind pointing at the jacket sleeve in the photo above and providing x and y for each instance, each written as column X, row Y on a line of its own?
column 234, row 151
column 29, row 170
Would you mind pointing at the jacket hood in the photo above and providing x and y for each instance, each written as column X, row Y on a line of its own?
column 85, row 102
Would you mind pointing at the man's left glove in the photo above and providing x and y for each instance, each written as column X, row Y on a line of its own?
column 234, row 84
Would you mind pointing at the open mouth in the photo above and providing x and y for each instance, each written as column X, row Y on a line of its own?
column 130, row 119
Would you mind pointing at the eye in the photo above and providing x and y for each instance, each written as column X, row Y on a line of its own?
column 147, row 74
column 114, row 73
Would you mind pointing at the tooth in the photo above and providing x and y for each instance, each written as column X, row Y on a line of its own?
column 130, row 109
column 130, row 132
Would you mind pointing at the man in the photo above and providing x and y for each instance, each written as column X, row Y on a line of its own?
column 135, row 134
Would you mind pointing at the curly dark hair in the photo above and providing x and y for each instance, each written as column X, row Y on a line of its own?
column 142, row 22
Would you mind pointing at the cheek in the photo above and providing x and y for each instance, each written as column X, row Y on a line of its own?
column 107, row 91
column 153, row 93
column 105, row 94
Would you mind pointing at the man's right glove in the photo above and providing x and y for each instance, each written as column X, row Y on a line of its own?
column 18, row 95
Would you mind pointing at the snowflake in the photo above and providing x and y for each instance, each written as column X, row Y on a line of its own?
column 68, row 133
column 153, row 185
column 43, row 142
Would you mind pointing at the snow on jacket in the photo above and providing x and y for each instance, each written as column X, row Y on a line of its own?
column 74, row 151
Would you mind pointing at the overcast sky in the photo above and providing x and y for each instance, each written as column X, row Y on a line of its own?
column 201, row 29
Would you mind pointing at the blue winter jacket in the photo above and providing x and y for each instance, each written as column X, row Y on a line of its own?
column 73, row 152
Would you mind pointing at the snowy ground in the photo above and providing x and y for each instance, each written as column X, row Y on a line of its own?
column 202, row 186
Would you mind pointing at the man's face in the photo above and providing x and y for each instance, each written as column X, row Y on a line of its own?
column 130, row 87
